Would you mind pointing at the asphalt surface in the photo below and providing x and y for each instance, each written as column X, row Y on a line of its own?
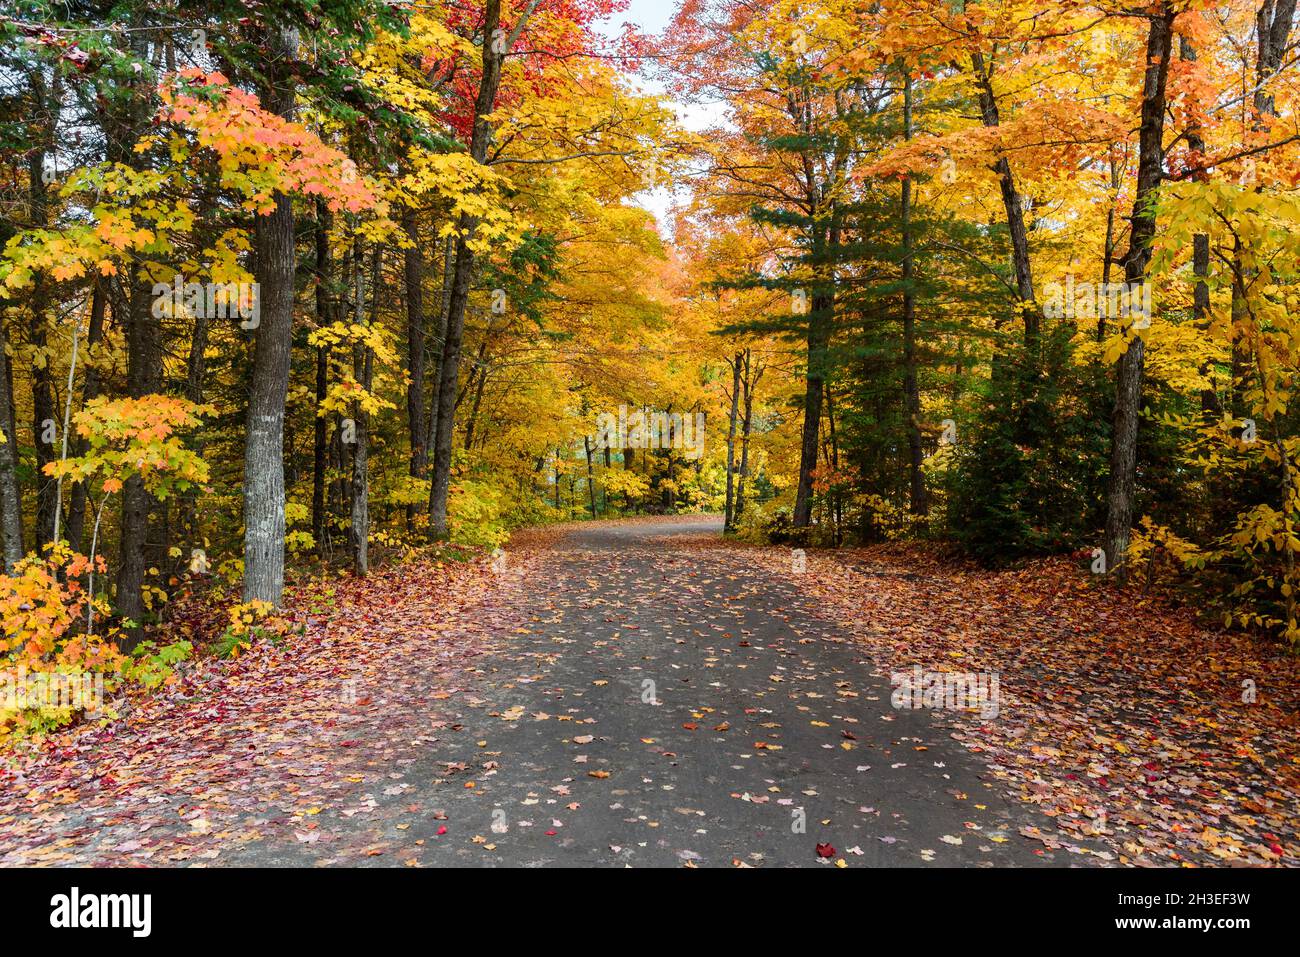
column 651, row 702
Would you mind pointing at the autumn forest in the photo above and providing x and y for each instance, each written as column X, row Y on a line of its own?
column 378, row 349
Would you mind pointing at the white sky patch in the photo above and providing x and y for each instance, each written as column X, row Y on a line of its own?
column 652, row 17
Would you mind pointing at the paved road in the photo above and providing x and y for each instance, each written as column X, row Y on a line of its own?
column 654, row 701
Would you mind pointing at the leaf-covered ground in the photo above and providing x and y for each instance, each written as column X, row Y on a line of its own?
column 260, row 745
column 1119, row 715
column 641, row 693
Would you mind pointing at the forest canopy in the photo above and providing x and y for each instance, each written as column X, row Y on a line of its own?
column 293, row 287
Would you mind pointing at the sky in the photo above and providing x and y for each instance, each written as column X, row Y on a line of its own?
column 652, row 16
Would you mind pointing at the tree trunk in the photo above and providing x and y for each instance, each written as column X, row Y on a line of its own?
column 264, row 523
column 1128, row 385
column 728, row 521
column 363, row 371
column 911, row 391
column 320, row 434
column 748, row 381
column 144, row 378
column 11, row 505
column 77, row 500
column 448, row 382
column 1273, row 25
column 414, row 275
column 435, row 357
column 1200, row 252
column 470, row 423
column 1031, row 316
column 449, row 372
column 819, row 335
column 195, row 375
column 43, row 412
column 825, row 241
column 591, row 480
column 1108, row 247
